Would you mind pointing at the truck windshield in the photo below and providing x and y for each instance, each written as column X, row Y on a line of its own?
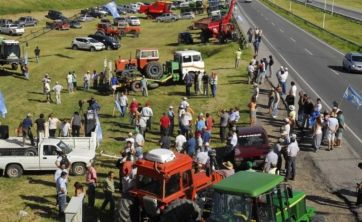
column 253, row 140
column 227, row 207
column 66, row 149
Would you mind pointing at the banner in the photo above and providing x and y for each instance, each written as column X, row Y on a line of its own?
column 3, row 110
column 98, row 130
column 352, row 96
column 112, row 8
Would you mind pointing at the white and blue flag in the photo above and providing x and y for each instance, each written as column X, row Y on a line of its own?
column 112, row 8
column 353, row 97
column 98, row 130
column 3, row 110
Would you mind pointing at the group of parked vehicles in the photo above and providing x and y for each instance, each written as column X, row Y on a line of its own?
column 10, row 27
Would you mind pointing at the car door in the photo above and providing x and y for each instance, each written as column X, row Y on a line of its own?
column 48, row 157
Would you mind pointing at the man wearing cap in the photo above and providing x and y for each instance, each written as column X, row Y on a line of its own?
column 184, row 103
column 26, row 129
column 286, row 130
column 57, row 89
column 180, row 140
column 292, row 152
column 147, row 113
column 283, row 75
column 271, row 160
column 91, row 180
column 229, row 169
column 171, row 116
column 62, row 192
column 86, row 81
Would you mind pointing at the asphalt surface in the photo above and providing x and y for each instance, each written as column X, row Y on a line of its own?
column 340, row 10
column 315, row 66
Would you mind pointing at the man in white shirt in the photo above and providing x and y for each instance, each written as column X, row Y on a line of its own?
column 59, row 171
column 70, row 82
column 123, row 103
column 65, row 128
column 271, row 160
column 251, row 70
column 147, row 114
column 286, row 130
column 57, row 89
column 237, row 58
column 180, row 140
column 332, row 127
column 61, row 185
column 86, row 81
column 292, row 151
column 283, row 75
column 184, row 103
column 139, row 139
column 234, row 140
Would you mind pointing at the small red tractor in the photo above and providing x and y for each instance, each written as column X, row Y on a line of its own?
column 58, row 25
column 217, row 27
column 146, row 62
column 107, row 29
column 167, row 189
column 156, row 9
column 125, row 29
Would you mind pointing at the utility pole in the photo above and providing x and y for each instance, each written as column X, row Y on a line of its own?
column 332, row 7
column 324, row 13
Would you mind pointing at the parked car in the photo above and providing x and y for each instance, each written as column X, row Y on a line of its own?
column 120, row 21
column 87, row 43
column 187, row 15
column 75, row 24
column 58, row 25
column 12, row 29
column 85, row 18
column 27, row 21
column 108, row 41
column 55, row 15
column 167, row 17
column 133, row 20
column 94, row 12
column 4, row 22
column 352, row 62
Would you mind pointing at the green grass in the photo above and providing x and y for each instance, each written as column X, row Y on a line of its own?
column 338, row 25
column 34, row 192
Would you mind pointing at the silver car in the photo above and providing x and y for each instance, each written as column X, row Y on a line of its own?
column 167, row 17
column 352, row 62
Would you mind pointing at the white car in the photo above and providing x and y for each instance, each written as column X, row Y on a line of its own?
column 87, row 43
column 187, row 15
column 12, row 29
column 133, row 20
column 85, row 18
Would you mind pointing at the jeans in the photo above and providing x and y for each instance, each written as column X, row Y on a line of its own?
column 261, row 77
column 123, row 110
column 108, row 198
column 52, row 132
column 291, row 168
column 223, row 133
column 75, row 130
column 144, row 91
column 91, row 194
column 213, row 90
column 27, row 132
column 284, row 87
column 188, row 89
column 62, row 200
column 206, row 89
column 85, row 85
column 164, row 131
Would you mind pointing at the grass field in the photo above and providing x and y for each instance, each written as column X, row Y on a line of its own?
column 34, row 192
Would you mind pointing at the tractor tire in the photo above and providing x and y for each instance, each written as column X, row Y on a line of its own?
column 126, row 210
column 31, row 152
column 154, row 70
column 78, row 169
column 182, row 210
column 14, row 66
column 318, row 218
column 204, row 38
column 14, row 171
column 153, row 85
column 136, row 86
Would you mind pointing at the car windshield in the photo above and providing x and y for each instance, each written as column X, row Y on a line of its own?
column 251, row 140
column 150, row 185
column 66, row 149
column 93, row 41
column 357, row 58
column 226, row 207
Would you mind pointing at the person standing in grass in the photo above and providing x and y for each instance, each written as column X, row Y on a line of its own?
column 86, row 81
column 70, row 82
column 76, row 123
column 205, row 83
column 91, row 180
column 37, row 54
column 237, row 58
column 58, row 89
column 108, row 188
column 62, row 192
column 213, row 83
column 74, row 80
column 144, row 86
column 252, row 110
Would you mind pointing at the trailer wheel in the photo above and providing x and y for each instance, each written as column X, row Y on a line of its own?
column 154, row 70
column 182, row 210
column 126, row 210
column 31, row 152
column 136, row 86
column 14, row 171
column 14, row 66
column 78, row 169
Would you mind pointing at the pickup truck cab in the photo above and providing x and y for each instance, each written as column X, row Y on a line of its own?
column 12, row 29
column 27, row 21
column 15, row 158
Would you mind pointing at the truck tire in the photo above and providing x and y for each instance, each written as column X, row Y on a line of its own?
column 14, row 170
column 14, row 66
column 154, row 70
column 182, row 210
column 31, row 152
column 126, row 210
column 78, row 169
column 136, row 86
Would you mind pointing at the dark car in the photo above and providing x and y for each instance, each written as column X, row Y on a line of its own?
column 74, row 24
column 185, row 38
column 253, row 145
column 27, row 21
column 108, row 41
column 55, row 15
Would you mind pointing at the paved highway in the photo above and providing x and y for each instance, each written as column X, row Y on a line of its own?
column 340, row 10
column 315, row 65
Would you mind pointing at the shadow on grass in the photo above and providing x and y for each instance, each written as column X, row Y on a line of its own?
column 42, row 182
column 327, row 202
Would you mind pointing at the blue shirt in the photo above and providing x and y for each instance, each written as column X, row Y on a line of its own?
column 191, row 146
column 200, row 125
column 114, row 81
column 27, row 123
column 206, row 136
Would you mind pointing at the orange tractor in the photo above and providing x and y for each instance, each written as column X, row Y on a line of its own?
column 146, row 62
column 167, row 189
column 156, row 9
column 129, row 29
column 107, row 29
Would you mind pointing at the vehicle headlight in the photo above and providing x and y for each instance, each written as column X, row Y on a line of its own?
column 353, row 66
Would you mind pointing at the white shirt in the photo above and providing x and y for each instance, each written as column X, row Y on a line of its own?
column 57, row 88
column 47, row 87
column 318, row 107
column 238, row 54
column 69, row 78
column 130, row 139
column 185, row 120
column 283, row 77
column 234, row 140
column 58, row 172
column 53, row 123
column 86, row 77
column 179, row 142
column 65, row 129
column 123, row 100
column 332, row 124
column 61, row 184
column 271, row 158
column 184, row 103
column 293, row 91
column 139, row 139
column 202, row 157
column 251, row 68
column 143, row 122
column 286, row 130
column 293, row 149
column 146, row 112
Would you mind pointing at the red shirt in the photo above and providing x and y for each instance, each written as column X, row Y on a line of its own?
column 133, row 106
column 209, row 123
column 165, row 122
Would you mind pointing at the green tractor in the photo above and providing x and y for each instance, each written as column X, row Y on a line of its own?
column 259, row 197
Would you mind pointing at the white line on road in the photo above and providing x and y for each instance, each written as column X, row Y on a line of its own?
column 266, row 18
column 281, row 30
column 309, row 52
column 335, row 72
column 273, row 24
column 292, row 39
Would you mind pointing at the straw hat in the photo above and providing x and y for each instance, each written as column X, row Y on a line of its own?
column 228, row 165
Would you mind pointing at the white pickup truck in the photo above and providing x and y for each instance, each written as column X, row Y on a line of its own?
column 12, row 29
column 15, row 158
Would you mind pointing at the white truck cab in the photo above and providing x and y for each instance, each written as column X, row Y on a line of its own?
column 190, row 61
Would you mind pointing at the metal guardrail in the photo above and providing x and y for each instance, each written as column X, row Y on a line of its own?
column 353, row 19
column 354, row 44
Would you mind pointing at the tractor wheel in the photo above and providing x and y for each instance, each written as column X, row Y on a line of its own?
column 14, row 66
column 153, row 85
column 136, row 86
column 182, row 210
column 204, row 37
column 154, row 70
column 126, row 210
column 318, row 218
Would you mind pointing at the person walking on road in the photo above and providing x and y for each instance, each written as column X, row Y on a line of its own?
column 332, row 127
column 108, row 188
column 237, row 58
column 251, row 70
column 37, row 54
column 271, row 63
column 292, row 151
column 317, row 133
column 252, row 110
column 282, row 78
column 58, row 89
column 250, row 34
column 256, row 45
column 341, row 127
column 275, row 106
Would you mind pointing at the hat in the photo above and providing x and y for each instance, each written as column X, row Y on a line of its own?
column 228, row 165
column 28, row 115
column 286, row 120
column 201, row 114
column 170, row 107
column 130, row 134
column 207, row 144
column 281, row 67
column 88, row 71
column 294, row 136
column 291, row 107
column 286, row 69
column 335, row 108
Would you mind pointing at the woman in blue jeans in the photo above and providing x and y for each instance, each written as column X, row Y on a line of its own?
column 213, row 83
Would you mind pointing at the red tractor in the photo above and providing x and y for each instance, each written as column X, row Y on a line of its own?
column 167, row 189
column 156, row 9
column 107, row 29
column 146, row 62
column 219, row 27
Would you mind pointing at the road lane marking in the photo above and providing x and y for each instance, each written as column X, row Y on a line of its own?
column 292, row 39
column 295, row 71
column 273, row 24
column 308, row 52
column 266, row 18
column 281, row 30
column 335, row 72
